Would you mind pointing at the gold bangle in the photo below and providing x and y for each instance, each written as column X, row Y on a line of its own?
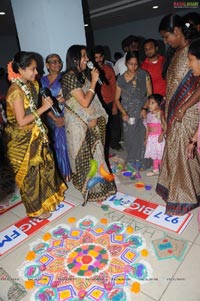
column 91, row 90
column 35, row 114
column 123, row 112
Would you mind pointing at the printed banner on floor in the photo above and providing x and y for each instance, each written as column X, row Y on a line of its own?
column 21, row 230
column 148, row 211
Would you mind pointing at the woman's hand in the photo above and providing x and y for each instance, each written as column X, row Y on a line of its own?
column 95, row 75
column 92, row 123
column 59, row 121
column 190, row 150
column 125, row 117
column 143, row 114
column 60, row 98
column 179, row 114
column 47, row 103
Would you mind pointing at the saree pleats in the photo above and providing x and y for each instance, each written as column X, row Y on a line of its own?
column 34, row 170
column 92, row 148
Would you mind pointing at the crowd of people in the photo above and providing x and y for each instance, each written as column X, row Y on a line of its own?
column 66, row 133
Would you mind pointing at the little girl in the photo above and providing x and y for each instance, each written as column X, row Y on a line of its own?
column 155, row 130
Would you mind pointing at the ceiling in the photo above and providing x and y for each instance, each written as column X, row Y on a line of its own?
column 7, row 21
column 101, row 13
column 107, row 13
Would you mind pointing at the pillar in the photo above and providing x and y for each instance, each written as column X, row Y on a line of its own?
column 49, row 26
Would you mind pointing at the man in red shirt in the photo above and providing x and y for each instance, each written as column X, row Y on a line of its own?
column 153, row 64
column 106, row 94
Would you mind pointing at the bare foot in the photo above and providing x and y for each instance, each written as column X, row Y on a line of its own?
column 67, row 178
column 44, row 215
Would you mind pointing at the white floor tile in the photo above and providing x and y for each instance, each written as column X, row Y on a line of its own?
column 19, row 211
column 172, row 280
column 184, row 284
column 8, row 219
column 197, row 241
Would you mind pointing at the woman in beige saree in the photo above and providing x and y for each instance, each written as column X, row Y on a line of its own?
column 178, row 182
column 85, row 123
column 27, row 145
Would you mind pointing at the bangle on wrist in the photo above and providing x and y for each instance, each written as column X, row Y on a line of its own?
column 144, row 109
column 123, row 112
column 35, row 114
column 91, row 90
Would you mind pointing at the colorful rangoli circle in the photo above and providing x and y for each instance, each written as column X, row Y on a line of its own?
column 87, row 263
column 87, row 260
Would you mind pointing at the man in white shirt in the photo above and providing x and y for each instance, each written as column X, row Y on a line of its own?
column 130, row 43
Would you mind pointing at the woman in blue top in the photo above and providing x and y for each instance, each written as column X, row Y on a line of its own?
column 55, row 121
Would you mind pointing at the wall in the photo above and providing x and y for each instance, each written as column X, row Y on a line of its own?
column 61, row 40
column 9, row 47
column 49, row 26
column 147, row 28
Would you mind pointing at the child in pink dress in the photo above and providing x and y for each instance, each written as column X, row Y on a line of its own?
column 155, row 130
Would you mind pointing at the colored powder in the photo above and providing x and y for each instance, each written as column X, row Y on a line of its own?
column 139, row 185
column 127, row 173
column 148, row 187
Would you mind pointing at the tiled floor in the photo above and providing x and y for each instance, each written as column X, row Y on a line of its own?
column 172, row 280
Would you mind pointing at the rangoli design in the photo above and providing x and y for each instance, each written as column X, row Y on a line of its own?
column 169, row 247
column 91, row 261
